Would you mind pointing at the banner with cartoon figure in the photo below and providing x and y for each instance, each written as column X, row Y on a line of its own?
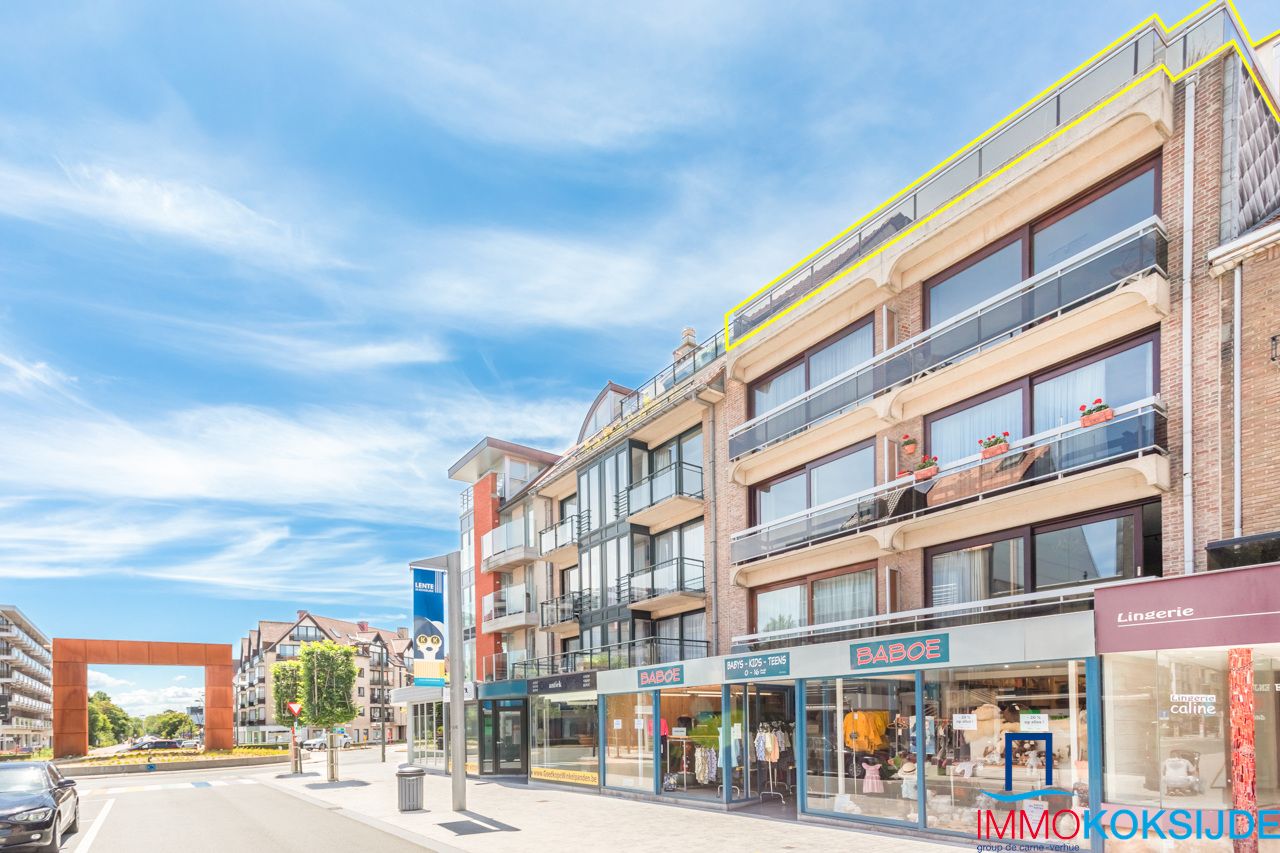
column 429, row 625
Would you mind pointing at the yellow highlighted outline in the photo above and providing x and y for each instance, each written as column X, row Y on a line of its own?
column 730, row 342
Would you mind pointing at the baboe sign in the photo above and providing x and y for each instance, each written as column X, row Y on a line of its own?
column 429, row 633
column 662, row 676
column 905, row 652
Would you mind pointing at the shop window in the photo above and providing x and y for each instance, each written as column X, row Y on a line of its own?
column 862, row 756
column 563, row 739
column 628, row 741
column 689, row 751
column 824, row 362
column 968, row 711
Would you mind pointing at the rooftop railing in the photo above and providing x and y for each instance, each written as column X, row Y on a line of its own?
column 643, row 652
column 1072, row 284
column 1124, row 63
column 1136, row 429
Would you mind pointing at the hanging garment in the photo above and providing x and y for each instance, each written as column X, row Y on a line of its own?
column 871, row 782
column 770, row 746
column 700, row 766
column 761, row 740
column 864, row 730
column 784, row 740
column 713, row 764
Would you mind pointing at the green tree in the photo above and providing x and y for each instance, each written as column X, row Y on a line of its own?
column 168, row 724
column 108, row 722
column 328, row 683
column 286, row 687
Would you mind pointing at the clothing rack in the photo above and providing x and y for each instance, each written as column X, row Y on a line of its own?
column 778, row 734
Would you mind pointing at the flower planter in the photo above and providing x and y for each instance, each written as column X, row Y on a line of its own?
column 926, row 473
column 994, row 450
column 1097, row 417
column 910, row 448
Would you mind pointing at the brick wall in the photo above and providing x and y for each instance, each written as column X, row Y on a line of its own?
column 1259, row 393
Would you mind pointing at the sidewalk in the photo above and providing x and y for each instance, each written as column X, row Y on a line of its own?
column 509, row 816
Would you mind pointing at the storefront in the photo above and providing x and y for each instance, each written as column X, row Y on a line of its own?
column 563, row 729
column 906, row 730
column 1191, row 690
column 498, row 726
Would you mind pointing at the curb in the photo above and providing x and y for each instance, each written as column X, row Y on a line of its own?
column 376, row 823
column 85, row 772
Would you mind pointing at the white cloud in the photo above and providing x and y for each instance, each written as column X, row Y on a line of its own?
column 100, row 680
column 179, row 678
column 26, row 379
column 145, row 701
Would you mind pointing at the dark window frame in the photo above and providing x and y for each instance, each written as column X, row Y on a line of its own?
column 1027, row 230
column 753, row 503
column 806, row 356
column 807, row 581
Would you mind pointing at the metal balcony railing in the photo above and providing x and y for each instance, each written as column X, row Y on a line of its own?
column 1022, row 606
column 564, row 532
column 1079, row 280
column 680, row 574
column 643, row 652
column 564, row 608
column 1124, row 63
column 507, row 601
column 1137, row 429
column 502, row 666
column 680, row 478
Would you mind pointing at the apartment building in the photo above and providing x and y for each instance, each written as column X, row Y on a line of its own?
column 826, row 564
column 26, row 683
column 381, row 668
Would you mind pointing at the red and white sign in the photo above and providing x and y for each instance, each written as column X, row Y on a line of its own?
column 295, row 708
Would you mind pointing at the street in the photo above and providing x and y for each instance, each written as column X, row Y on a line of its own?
column 215, row 810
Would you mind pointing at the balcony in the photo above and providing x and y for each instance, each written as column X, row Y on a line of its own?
column 560, row 614
column 1057, row 472
column 506, row 546
column 1145, row 48
column 1110, row 289
column 559, row 542
column 508, row 609
column 669, row 587
column 643, row 652
column 503, row 666
column 665, row 498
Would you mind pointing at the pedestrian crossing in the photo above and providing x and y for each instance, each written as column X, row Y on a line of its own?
column 164, row 786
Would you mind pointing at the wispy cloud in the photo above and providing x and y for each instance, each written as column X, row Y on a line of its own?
column 145, row 701
column 27, row 379
column 99, row 680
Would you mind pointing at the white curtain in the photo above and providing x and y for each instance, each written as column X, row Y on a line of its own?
column 844, row 597
column 956, row 436
column 774, row 392
column 961, row 576
column 837, row 357
column 1058, row 401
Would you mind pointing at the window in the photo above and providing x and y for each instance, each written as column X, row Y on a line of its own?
column 1118, row 377
column 1119, row 203
column 359, row 691
column 307, row 634
column 1085, row 553
column 822, row 481
column 817, row 365
column 955, row 436
column 979, row 572
column 817, row 600
column 629, row 741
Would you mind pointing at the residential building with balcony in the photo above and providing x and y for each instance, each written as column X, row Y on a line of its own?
column 380, row 662
column 26, row 683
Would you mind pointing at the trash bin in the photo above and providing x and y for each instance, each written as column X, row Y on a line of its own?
column 409, row 788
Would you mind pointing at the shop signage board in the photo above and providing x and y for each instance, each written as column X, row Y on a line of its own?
column 562, row 683
column 661, row 676
column 1220, row 608
column 765, row 665
column 561, row 774
column 900, row 653
column 679, row 731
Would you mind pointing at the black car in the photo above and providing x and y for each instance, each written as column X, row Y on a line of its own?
column 159, row 744
column 37, row 805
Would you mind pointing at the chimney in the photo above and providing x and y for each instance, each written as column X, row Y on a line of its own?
column 363, row 626
column 688, row 343
column 402, row 633
column 301, row 613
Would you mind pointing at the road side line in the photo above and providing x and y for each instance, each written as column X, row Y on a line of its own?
column 87, row 842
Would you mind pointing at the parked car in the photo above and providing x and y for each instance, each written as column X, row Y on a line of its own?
column 159, row 743
column 191, row 743
column 39, row 805
column 320, row 742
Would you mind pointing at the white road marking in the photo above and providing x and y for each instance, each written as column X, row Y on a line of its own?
column 165, row 786
column 87, row 841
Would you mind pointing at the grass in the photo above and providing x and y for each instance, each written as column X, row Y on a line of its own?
column 168, row 756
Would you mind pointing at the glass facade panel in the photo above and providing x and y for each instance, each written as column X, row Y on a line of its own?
column 841, row 355
column 430, row 731
column 968, row 711
column 563, row 745
column 773, row 392
column 780, row 499
column 1122, row 207
column 977, row 573
column 995, row 273
column 689, row 748
column 628, row 741
column 843, row 476
column 861, row 751
column 1085, row 553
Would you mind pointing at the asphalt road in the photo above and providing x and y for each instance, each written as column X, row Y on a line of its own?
column 213, row 812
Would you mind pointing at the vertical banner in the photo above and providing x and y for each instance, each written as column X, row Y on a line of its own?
column 429, row 628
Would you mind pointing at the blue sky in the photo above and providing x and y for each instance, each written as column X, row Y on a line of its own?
column 267, row 269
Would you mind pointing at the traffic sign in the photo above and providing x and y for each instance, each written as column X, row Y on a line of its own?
column 295, row 708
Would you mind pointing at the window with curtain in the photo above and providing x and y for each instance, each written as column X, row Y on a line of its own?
column 978, row 573
column 844, row 597
column 956, row 436
column 1122, row 207
column 843, row 476
column 773, row 392
column 1119, row 379
column 995, row 273
column 777, row 609
column 694, row 626
column 1084, row 553
column 780, row 498
column 841, row 355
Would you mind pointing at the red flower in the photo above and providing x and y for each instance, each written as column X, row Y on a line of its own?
column 1006, row 435
column 1082, row 408
column 1097, row 401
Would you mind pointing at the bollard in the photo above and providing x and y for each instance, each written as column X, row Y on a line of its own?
column 409, row 788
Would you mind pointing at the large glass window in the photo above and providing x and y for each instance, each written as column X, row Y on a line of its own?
column 1084, row 553
column 820, row 364
column 960, row 291
column 861, row 749
column 777, row 609
column 816, row 601
column 628, row 741
column 1120, row 378
column 967, row 713
column 1107, row 214
column 690, row 746
column 822, row 481
column 563, row 739
column 781, row 498
column 978, row 572
column 957, row 435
